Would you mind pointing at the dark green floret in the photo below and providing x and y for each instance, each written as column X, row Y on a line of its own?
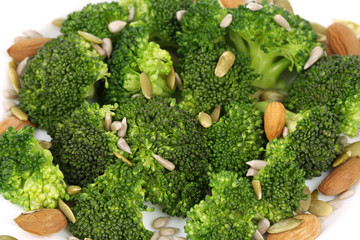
column 110, row 208
column 27, row 174
column 238, row 137
column 81, row 145
column 58, row 79
column 333, row 82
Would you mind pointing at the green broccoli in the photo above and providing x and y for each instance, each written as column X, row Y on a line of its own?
column 227, row 213
column 58, row 79
column 133, row 54
column 94, row 19
column 238, row 137
column 81, row 145
column 159, row 127
column 28, row 176
column 110, row 208
column 203, row 90
column 332, row 82
column 313, row 135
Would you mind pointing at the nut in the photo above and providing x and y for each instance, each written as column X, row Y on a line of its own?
column 274, row 120
column 27, row 48
column 308, row 229
column 342, row 40
column 13, row 122
column 342, row 178
column 231, row 3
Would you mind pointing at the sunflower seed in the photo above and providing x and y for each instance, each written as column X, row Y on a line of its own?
column 155, row 236
column 107, row 121
column 178, row 82
column 45, row 144
column 258, row 236
column 10, row 94
column 14, row 79
column 335, row 204
column 224, row 64
column 116, row 26
column 180, row 14
column 163, row 238
column 7, row 237
column 21, row 67
column 205, row 120
column 257, row 188
column 8, row 105
column 124, row 159
column 322, row 219
column 116, row 126
column 58, row 22
column 320, row 208
column 123, row 130
column 131, row 13
column 30, row 212
column 168, row 231
column 20, row 39
column 32, row 34
column 178, row 238
column 66, row 210
column 282, row 22
column 89, row 37
column 170, row 79
column 73, row 190
column 146, row 85
column 99, row 50
column 226, row 21
column 122, row 144
column 135, row 95
column 215, row 114
column 165, row 163
column 19, row 113
column 344, row 141
column 160, row 222
column 263, row 225
column 284, row 225
column 345, row 195
column 107, row 46
column 257, row 164
column 254, row 6
column 8, row 114
column 315, row 55
column 221, row 4
column 252, row 172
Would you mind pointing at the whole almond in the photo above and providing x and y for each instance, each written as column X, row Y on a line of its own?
column 274, row 120
column 342, row 40
column 13, row 122
column 308, row 229
column 231, row 3
column 342, row 178
column 43, row 222
column 27, row 48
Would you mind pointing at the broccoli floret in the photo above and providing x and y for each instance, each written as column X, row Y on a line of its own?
column 203, row 90
column 227, row 214
column 159, row 127
column 81, row 145
column 238, row 137
column 313, row 135
column 134, row 54
column 28, row 176
column 110, row 208
column 332, row 82
column 271, row 48
column 94, row 19
column 282, row 182
column 58, row 79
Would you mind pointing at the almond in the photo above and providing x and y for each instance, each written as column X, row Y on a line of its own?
column 231, row 3
column 27, row 48
column 13, row 122
column 342, row 40
column 274, row 120
column 43, row 222
column 308, row 229
column 341, row 178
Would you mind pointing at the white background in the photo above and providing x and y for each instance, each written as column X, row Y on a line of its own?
column 19, row 15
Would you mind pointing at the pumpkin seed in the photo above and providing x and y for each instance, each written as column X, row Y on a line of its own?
column 224, row 64
column 345, row 195
column 168, row 231
column 123, row 130
column 205, row 120
column 58, row 22
column 107, row 121
column 178, row 82
column 351, row 150
column 66, row 211
column 8, row 105
column 180, row 14
column 221, row 4
column 14, row 79
column 284, row 4
column 164, row 162
column 315, row 55
column 7, row 237
column 282, row 22
column 124, row 159
column 160, row 222
column 21, row 68
column 257, row 188
column 116, row 126
column 45, row 144
column 146, row 85
column 89, row 37
column 256, row 164
column 170, row 79
column 305, row 204
column 107, row 46
column 342, row 158
column 335, row 204
column 99, row 50
column 257, row 236
column 155, row 236
column 263, row 225
column 116, row 26
column 318, row 28
column 215, row 114
column 284, row 225
column 73, row 190
column 12, row 64
column 272, row 96
column 352, row 25
column 315, row 195
column 32, row 34
column 320, row 208
column 226, row 21
column 252, row 172
column 19, row 113
column 123, row 145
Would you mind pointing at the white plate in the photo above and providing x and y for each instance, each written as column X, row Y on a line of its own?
column 19, row 15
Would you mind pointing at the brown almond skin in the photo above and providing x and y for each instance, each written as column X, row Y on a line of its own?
column 328, row 49
column 342, row 178
column 13, row 122
column 232, row 3
column 274, row 120
column 309, row 229
column 342, row 40
column 44, row 222
column 27, row 48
